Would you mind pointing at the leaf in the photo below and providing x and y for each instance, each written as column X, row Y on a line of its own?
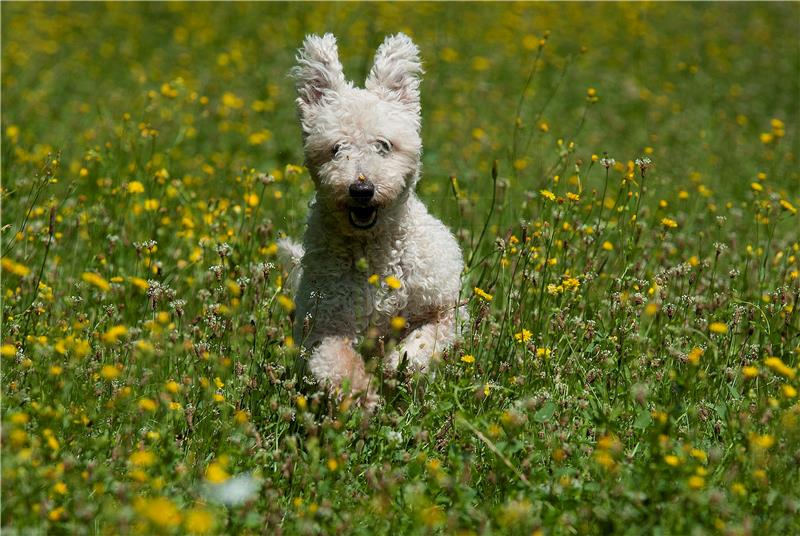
column 545, row 413
column 643, row 419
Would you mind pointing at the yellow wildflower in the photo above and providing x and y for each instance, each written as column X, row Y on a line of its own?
column 286, row 302
column 398, row 323
column 718, row 327
column 160, row 511
column 669, row 223
column 392, row 282
column 696, row 482
column 523, row 336
column 216, row 473
column 694, row 355
column 142, row 458
column 199, row 521
column 147, row 404
column 547, row 194
column 96, row 280
column 788, row 206
column 135, row 187
column 14, row 267
column 779, row 367
column 750, row 372
column 114, row 333
column 482, row 294
column 468, row 358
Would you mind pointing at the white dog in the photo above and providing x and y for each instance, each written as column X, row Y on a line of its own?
column 371, row 252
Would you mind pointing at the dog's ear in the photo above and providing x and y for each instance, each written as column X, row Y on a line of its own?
column 395, row 73
column 318, row 71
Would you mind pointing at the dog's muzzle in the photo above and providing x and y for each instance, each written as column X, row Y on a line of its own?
column 363, row 217
column 361, row 214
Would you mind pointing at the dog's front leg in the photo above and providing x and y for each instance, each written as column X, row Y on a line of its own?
column 335, row 362
column 422, row 344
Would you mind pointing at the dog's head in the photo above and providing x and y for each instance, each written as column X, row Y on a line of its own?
column 362, row 146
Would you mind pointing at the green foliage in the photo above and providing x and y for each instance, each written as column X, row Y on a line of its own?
column 623, row 180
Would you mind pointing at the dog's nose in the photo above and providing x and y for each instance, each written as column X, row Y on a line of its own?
column 362, row 190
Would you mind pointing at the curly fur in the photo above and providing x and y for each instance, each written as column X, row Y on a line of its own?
column 337, row 305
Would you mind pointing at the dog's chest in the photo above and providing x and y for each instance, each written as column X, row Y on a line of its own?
column 383, row 287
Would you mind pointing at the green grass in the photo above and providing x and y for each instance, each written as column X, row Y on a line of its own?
column 635, row 369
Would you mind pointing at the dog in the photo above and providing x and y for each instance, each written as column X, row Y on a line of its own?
column 374, row 262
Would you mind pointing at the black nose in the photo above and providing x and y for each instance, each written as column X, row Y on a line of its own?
column 362, row 191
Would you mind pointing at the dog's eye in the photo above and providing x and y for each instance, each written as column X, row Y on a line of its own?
column 382, row 146
column 335, row 149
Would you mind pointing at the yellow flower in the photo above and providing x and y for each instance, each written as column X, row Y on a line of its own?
column 468, row 358
column 373, row 279
column 251, row 199
column 333, row 465
column 696, row 482
column 109, row 372
column 608, row 246
column 669, row 222
column 147, row 404
column 135, row 187
column 482, row 294
column 199, row 521
column 151, row 204
column 96, row 280
column 480, row 63
column 523, row 336
column 672, row 460
column 547, row 194
column 8, row 350
column 762, row 441
column 286, row 302
column 142, row 458
column 750, row 372
column 113, row 334
column 779, row 367
column 230, row 100
column 139, row 283
column 694, row 355
column 756, row 187
column 718, row 327
column 398, row 323
column 160, row 511
column 392, row 282
column 14, row 267
column 788, row 391
column 788, row 206
column 301, row 402
column 216, row 473
column 699, row 455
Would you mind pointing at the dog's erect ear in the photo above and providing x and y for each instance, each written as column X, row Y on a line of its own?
column 318, row 70
column 395, row 73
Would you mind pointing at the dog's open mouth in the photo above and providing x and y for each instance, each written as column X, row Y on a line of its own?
column 363, row 217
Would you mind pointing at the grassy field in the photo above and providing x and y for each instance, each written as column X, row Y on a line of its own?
column 623, row 179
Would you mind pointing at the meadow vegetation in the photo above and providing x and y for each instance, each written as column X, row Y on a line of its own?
column 623, row 179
